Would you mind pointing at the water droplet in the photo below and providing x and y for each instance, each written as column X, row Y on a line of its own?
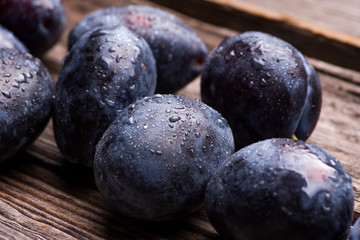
column 110, row 102
column 220, row 122
column 327, row 203
column 197, row 135
column 327, row 208
column 6, row 94
column 192, row 152
column 327, row 196
column 263, row 83
column 118, row 58
column 16, row 85
column 136, row 50
column 145, row 126
column 112, row 49
column 179, row 107
column 230, row 55
column 204, row 149
column 130, row 120
column 21, row 78
column 174, row 118
column 261, row 61
column 98, row 34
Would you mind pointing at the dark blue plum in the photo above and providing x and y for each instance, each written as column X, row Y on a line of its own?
column 104, row 72
column 355, row 232
column 26, row 93
column 38, row 24
column 281, row 189
column 9, row 40
column 311, row 111
column 263, row 86
column 178, row 51
column 154, row 161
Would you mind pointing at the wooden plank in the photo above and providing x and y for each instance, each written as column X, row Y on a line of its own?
column 337, row 16
column 44, row 197
column 338, row 48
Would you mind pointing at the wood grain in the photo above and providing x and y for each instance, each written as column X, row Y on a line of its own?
column 44, row 197
column 330, row 15
column 313, row 40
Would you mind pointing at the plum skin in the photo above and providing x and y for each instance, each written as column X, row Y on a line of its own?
column 280, row 189
column 263, row 86
column 355, row 232
column 104, row 72
column 178, row 50
column 155, row 159
column 38, row 24
column 26, row 94
column 9, row 40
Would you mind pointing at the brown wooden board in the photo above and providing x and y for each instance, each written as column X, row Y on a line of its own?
column 313, row 40
column 44, row 197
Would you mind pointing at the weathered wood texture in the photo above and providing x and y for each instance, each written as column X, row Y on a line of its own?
column 337, row 16
column 44, row 197
column 332, row 46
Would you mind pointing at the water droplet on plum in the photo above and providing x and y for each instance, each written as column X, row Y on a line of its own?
column 174, row 119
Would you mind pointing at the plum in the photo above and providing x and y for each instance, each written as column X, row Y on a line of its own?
column 281, row 189
column 155, row 160
column 355, row 232
column 9, row 40
column 178, row 50
column 263, row 86
column 104, row 72
column 26, row 93
column 38, row 24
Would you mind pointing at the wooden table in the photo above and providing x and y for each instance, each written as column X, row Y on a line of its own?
column 44, row 197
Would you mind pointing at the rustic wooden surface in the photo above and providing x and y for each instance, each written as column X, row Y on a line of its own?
column 313, row 39
column 44, row 197
column 330, row 15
